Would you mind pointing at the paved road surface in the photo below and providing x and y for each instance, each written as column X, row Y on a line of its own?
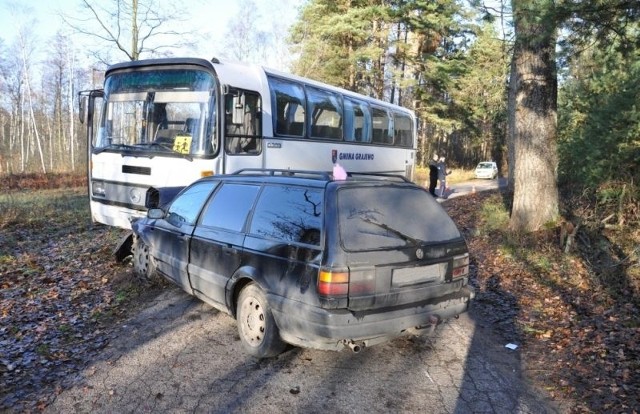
column 179, row 355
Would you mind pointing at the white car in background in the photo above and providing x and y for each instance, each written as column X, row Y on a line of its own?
column 487, row 169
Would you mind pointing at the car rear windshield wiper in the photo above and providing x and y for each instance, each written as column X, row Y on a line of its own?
column 398, row 233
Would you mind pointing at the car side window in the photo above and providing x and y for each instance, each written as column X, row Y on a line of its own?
column 289, row 213
column 229, row 207
column 186, row 206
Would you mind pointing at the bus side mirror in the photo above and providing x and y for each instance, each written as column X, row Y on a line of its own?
column 82, row 114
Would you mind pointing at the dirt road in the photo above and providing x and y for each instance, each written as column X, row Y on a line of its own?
column 468, row 187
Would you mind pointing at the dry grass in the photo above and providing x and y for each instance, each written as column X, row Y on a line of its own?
column 457, row 175
column 44, row 207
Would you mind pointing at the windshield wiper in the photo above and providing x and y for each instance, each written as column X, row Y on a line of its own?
column 398, row 233
column 114, row 146
column 168, row 148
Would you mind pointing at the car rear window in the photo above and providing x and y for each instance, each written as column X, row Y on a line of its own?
column 373, row 218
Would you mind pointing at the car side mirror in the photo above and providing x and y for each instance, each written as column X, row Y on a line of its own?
column 155, row 213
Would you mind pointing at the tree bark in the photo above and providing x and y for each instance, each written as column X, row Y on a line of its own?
column 72, row 68
column 511, row 126
column 534, row 83
column 135, row 55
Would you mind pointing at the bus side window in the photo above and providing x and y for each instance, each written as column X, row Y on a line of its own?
column 381, row 127
column 325, row 109
column 357, row 121
column 288, row 107
column 403, row 127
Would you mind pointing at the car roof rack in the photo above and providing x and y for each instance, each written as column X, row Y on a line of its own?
column 318, row 175
column 381, row 176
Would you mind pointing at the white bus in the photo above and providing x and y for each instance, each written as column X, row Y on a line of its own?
column 161, row 124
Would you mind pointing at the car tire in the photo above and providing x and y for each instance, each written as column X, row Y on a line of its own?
column 257, row 328
column 143, row 264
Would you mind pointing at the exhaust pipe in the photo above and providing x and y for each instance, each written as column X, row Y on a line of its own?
column 355, row 347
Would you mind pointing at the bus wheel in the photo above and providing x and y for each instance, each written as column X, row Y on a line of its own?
column 143, row 264
column 258, row 330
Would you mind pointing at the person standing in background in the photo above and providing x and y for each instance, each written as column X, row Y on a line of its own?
column 442, row 176
column 433, row 174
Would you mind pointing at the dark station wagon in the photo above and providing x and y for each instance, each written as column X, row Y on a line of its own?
column 300, row 258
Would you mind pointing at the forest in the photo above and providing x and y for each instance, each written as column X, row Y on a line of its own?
column 468, row 70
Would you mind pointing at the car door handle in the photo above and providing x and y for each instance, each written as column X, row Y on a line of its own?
column 229, row 249
column 183, row 238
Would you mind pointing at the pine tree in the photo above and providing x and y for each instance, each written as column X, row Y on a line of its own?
column 481, row 97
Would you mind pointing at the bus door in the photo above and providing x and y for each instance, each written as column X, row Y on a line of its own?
column 243, row 130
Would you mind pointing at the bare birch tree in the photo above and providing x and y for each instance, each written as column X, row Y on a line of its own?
column 59, row 88
column 135, row 28
column 26, row 48
column 4, row 115
column 244, row 41
column 71, row 64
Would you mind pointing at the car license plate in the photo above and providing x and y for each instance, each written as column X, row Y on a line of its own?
column 413, row 275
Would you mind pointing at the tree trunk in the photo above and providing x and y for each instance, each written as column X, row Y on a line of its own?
column 135, row 53
column 32, row 116
column 511, row 125
column 23, row 148
column 72, row 144
column 534, row 83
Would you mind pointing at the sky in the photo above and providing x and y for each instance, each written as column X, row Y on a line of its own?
column 209, row 18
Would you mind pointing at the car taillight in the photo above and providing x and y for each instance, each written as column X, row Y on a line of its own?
column 460, row 266
column 333, row 283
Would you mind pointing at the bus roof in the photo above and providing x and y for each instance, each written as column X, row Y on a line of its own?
column 243, row 75
column 159, row 62
column 343, row 91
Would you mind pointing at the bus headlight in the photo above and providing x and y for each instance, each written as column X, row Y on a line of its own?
column 135, row 195
column 98, row 188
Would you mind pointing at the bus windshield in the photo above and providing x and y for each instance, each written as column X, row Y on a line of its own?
column 159, row 112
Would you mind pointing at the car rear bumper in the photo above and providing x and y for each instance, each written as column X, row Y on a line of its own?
column 488, row 175
column 313, row 327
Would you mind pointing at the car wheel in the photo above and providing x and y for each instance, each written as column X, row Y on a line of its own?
column 258, row 330
column 143, row 264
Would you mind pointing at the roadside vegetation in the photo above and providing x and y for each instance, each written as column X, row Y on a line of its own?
column 570, row 298
column 61, row 292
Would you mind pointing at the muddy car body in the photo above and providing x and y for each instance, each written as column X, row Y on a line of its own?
column 297, row 257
